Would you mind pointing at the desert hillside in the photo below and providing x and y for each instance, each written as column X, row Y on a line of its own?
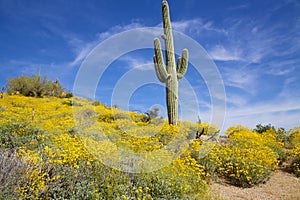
column 76, row 148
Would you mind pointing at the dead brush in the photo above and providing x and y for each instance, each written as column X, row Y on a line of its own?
column 11, row 168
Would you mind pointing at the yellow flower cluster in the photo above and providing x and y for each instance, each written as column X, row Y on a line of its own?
column 35, row 181
column 267, row 138
column 294, row 136
column 45, row 113
column 67, row 143
column 68, row 149
column 247, row 159
column 78, row 137
column 295, row 155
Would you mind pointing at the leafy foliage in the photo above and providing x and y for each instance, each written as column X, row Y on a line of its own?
column 263, row 128
column 15, row 135
column 33, row 86
column 280, row 132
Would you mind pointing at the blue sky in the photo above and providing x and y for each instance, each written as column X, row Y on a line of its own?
column 254, row 44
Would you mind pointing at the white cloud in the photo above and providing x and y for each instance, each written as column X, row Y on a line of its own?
column 242, row 77
column 282, row 67
column 117, row 29
column 245, row 44
column 254, row 41
column 219, row 53
column 138, row 63
column 266, row 107
column 82, row 49
column 239, row 7
column 236, row 100
column 195, row 26
column 281, row 113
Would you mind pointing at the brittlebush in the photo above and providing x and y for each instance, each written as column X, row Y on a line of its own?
column 294, row 153
column 247, row 159
column 64, row 143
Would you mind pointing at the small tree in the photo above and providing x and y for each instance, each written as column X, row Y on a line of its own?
column 2, row 92
column 280, row 132
column 153, row 113
column 263, row 128
column 34, row 86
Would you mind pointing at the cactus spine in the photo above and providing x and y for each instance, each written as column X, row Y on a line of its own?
column 170, row 74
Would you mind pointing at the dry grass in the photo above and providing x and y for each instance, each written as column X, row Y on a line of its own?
column 10, row 168
column 281, row 185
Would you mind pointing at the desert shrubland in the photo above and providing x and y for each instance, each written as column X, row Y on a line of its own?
column 76, row 149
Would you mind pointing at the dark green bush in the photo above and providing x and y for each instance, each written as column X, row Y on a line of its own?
column 33, row 86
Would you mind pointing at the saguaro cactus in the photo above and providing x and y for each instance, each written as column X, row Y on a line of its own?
column 171, row 73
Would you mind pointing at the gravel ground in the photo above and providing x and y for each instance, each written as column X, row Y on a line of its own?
column 281, row 185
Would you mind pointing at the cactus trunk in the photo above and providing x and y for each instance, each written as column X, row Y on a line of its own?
column 169, row 74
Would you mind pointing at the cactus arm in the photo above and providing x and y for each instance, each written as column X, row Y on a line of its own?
column 159, row 71
column 182, row 64
column 159, row 64
column 163, row 36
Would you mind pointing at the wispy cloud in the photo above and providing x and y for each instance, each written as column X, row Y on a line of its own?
column 137, row 63
column 252, row 41
column 239, row 7
column 274, row 112
column 236, row 100
column 242, row 77
column 83, row 48
column 195, row 26
column 290, row 85
column 219, row 53
column 279, row 67
column 267, row 107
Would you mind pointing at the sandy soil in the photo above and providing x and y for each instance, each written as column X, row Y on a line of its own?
column 281, row 185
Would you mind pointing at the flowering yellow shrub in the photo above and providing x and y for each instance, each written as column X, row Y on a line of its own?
column 245, row 165
column 247, row 159
column 295, row 155
column 104, row 150
column 267, row 138
column 34, row 184
column 68, row 149
column 75, row 137
column 66, row 141
column 294, row 152
column 184, row 178
column 45, row 113
column 294, row 136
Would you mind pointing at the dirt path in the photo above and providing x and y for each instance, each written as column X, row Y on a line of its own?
column 281, row 185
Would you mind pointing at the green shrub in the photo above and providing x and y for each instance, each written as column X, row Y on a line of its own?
column 33, row 86
column 15, row 135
